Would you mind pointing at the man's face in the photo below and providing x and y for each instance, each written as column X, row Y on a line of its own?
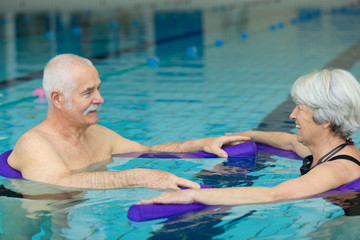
column 86, row 97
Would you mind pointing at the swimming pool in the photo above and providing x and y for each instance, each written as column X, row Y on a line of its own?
column 224, row 68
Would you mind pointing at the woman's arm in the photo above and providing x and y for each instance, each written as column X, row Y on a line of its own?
column 281, row 140
column 322, row 178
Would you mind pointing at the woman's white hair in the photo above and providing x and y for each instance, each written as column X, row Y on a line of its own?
column 58, row 75
column 333, row 95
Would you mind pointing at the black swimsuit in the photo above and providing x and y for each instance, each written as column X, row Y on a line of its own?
column 307, row 162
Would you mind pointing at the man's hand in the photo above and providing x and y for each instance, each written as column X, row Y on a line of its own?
column 214, row 144
column 211, row 145
column 162, row 180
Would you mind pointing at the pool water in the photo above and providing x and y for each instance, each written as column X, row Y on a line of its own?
column 171, row 74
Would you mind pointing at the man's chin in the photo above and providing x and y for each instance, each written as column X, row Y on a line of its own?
column 93, row 118
column 93, row 122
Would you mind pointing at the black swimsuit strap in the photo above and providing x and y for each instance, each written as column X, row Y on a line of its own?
column 347, row 157
column 307, row 162
column 327, row 156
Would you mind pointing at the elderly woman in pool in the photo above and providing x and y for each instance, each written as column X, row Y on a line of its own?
column 327, row 112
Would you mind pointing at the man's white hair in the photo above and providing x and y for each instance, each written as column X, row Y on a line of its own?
column 58, row 75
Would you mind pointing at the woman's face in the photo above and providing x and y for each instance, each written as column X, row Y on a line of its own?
column 307, row 129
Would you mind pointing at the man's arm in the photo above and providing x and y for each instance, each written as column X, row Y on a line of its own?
column 38, row 161
column 210, row 144
column 138, row 177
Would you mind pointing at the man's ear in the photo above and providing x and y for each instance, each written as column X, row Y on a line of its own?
column 58, row 99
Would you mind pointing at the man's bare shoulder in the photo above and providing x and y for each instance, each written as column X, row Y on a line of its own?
column 32, row 138
column 29, row 146
column 32, row 153
column 117, row 143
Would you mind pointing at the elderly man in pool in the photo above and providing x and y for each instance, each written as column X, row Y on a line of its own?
column 70, row 139
column 326, row 114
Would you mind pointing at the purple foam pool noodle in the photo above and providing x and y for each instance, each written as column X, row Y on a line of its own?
column 5, row 169
column 146, row 212
column 277, row 151
column 247, row 149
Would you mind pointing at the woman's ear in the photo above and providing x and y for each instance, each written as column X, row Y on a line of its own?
column 327, row 125
column 58, row 99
